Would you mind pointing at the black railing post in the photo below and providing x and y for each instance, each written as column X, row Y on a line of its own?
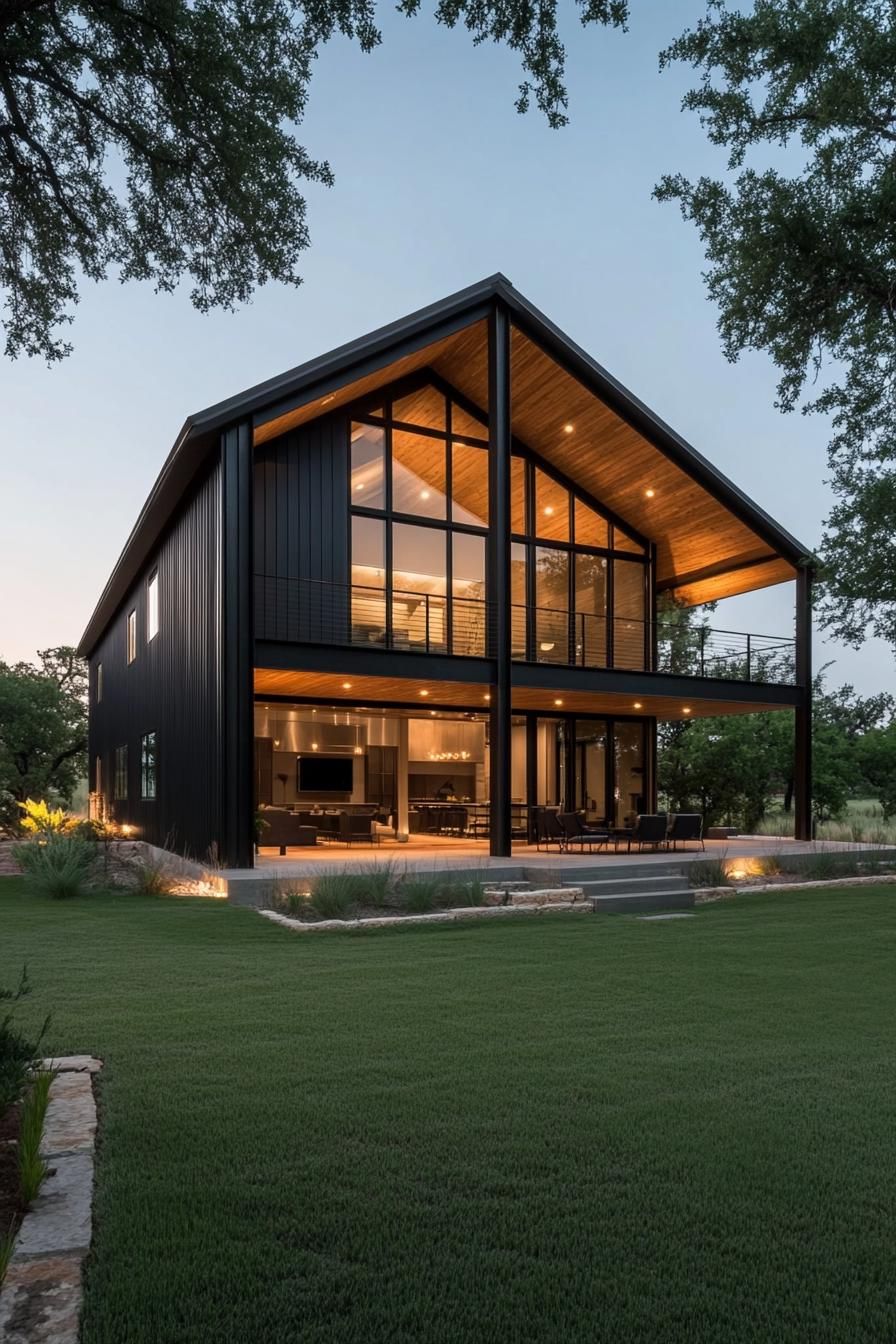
column 749, row 661
column 426, row 608
column 703, row 650
column 499, row 434
column 802, row 764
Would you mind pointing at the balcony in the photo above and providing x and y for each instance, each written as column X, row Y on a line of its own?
column 316, row 612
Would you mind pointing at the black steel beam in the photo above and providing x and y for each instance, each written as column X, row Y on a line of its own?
column 802, row 765
column 499, row 435
column 345, row 660
column 618, row 681
column 237, row 843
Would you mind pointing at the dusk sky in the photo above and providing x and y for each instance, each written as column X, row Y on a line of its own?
column 438, row 183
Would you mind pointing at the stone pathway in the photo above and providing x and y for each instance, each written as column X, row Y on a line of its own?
column 40, row 1301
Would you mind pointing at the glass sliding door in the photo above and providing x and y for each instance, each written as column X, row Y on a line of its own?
column 630, row 771
column 591, row 770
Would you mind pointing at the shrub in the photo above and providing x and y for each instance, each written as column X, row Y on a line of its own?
column 769, row 865
column 334, row 895
column 417, row 895
column 43, row 820
column 462, row 893
column 61, row 866
column 17, row 1052
column 149, row 875
column 824, row 866
column 292, row 901
column 709, row 873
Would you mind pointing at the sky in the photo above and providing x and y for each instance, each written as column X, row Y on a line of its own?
column 439, row 182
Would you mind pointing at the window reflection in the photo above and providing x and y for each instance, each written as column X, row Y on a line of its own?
column 628, row 614
column 552, row 605
column 368, row 477
column 418, row 475
column 468, row 593
column 420, row 581
column 469, row 485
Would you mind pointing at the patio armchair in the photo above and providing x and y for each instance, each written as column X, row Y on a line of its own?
column 685, row 826
column 649, row 829
column 548, row 830
column 577, row 833
column 358, row 828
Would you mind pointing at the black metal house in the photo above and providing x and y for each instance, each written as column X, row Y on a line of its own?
column 439, row 573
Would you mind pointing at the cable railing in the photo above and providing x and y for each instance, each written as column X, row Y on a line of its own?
column 318, row 612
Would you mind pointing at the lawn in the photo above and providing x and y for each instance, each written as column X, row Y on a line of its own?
column 554, row 1129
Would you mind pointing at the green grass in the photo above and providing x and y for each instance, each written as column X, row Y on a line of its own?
column 552, row 1129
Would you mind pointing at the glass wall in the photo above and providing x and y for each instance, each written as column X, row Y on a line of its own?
column 584, row 603
column 420, row 513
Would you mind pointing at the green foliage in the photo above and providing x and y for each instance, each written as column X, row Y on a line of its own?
column 292, row 900
column 418, row 895
column 802, row 254
column 32, row 1168
column 7, row 1244
column 43, row 728
column 40, row 819
column 61, row 867
column 149, row 875
column 335, row 895
column 877, row 761
column 199, row 101
column 709, row 872
column 17, row 1051
column 826, row 865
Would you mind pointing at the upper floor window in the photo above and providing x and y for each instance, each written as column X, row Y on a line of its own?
column 148, row 766
column 132, row 635
column 98, row 688
column 419, row 498
column 152, row 606
column 120, row 776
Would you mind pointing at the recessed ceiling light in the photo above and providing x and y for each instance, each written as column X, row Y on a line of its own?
column 558, row 702
column 568, row 429
column 314, row 746
column 424, row 692
column 686, row 710
column 549, row 509
column 650, row 493
column 433, row 712
column 424, row 494
column 638, row 704
column 346, row 685
column 486, row 698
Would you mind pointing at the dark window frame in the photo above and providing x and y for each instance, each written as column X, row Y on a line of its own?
column 131, row 636
column 120, row 774
column 149, row 770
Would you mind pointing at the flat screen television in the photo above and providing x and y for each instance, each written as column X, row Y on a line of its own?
column 324, row 774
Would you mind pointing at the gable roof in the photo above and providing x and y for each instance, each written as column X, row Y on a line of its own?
column 441, row 336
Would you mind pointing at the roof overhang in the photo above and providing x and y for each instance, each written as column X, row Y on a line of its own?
column 617, row 431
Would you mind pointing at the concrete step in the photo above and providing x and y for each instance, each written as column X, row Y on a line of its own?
column 598, row 872
column 620, row 903
column 631, row 886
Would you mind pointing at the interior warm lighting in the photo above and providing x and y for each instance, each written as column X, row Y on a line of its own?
column 359, row 751
column 549, row 509
column 638, row 705
column 650, row 493
column 433, row 713
column 424, row 692
column 568, row 429
column 545, row 646
column 686, row 710
column 314, row 746
column 276, row 741
column 424, row 494
column 346, row 685
column 558, row 702
column 486, row 698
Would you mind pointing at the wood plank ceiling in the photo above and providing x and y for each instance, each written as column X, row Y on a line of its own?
column 332, row 687
column 694, row 531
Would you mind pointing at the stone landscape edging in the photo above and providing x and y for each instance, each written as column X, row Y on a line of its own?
column 531, row 906
column 717, row 893
column 40, row 1298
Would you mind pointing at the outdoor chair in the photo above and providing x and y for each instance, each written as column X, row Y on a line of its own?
column 283, row 828
column 355, row 828
column 577, row 833
column 685, row 826
column 548, row 830
column 649, row 829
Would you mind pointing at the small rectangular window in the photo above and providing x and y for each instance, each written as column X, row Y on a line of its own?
column 152, row 606
column 132, row 636
column 148, row 766
column 120, row 782
column 99, row 682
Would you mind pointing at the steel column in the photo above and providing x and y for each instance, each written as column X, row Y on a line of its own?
column 238, row 644
column 499, row 434
column 802, row 764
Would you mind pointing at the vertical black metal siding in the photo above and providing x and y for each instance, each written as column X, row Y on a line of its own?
column 172, row 688
column 301, row 528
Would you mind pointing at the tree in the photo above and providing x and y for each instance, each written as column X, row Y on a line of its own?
column 877, row 761
column 802, row 250
column 43, row 729
column 156, row 137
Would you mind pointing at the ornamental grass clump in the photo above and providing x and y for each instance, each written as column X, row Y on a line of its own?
column 417, row 895
column 58, row 866
column 335, row 895
column 709, row 872
column 17, row 1051
column 32, row 1167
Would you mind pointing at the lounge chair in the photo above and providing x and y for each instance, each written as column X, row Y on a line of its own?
column 577, row 833
column 649, row 829
column 685, row 826
column 548, row 830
